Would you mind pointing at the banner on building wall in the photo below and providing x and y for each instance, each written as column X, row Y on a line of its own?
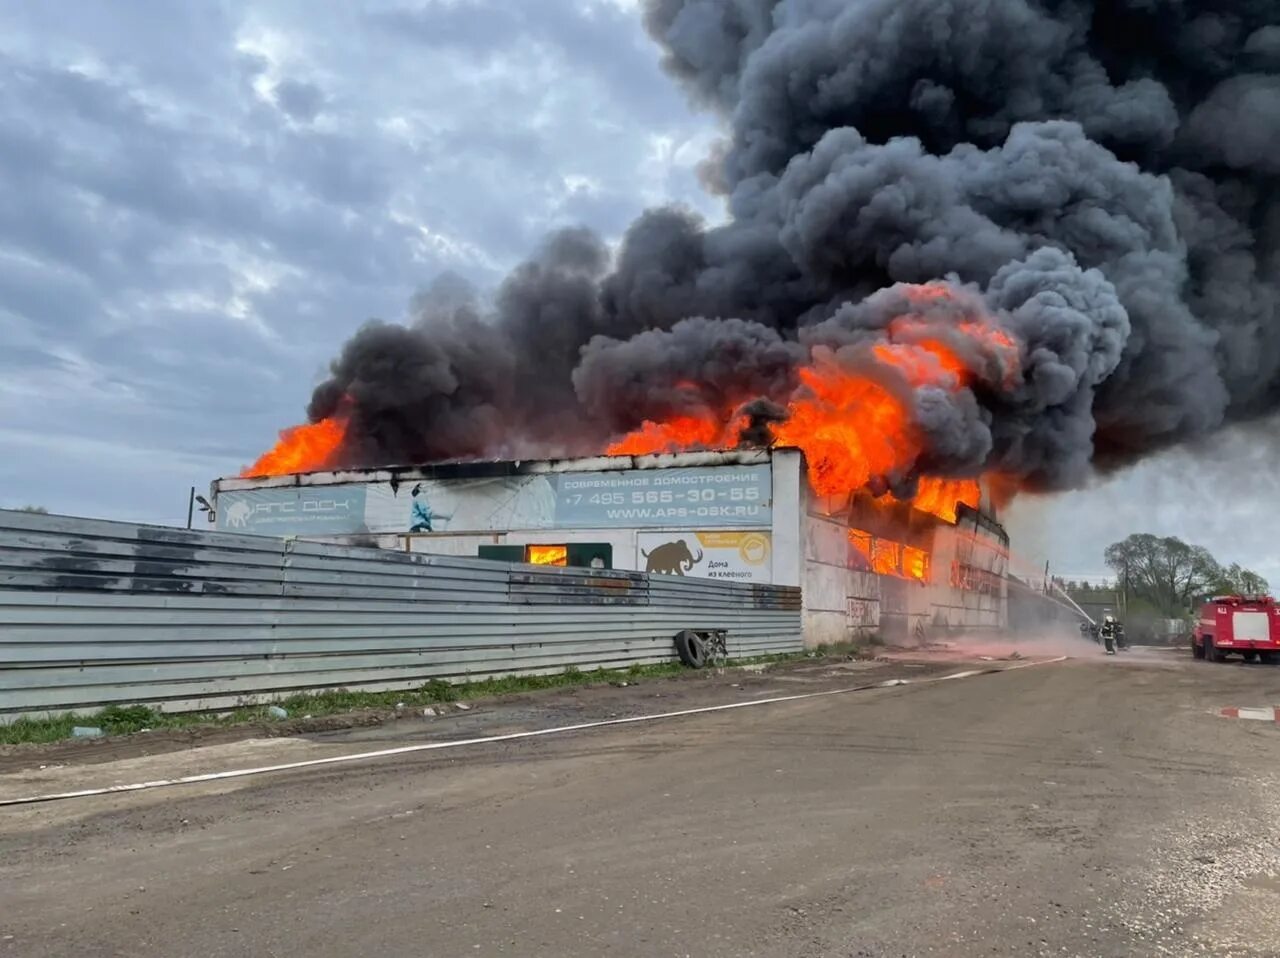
column 294, row 511
column 736, row 556
column 463, row 505
column 713, row 496
column 706, row 497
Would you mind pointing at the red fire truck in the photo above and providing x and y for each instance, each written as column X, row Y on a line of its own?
column 1248, row 624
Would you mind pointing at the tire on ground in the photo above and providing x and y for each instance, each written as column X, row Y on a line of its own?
column 690, row 648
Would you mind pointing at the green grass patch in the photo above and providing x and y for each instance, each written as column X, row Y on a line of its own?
column 129, row 719
column 39, row 730
column 119, row 720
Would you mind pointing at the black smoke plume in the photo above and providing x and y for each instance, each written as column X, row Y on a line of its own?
column 1101, row 178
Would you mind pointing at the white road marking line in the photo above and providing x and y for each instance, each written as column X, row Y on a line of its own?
column 489, row 739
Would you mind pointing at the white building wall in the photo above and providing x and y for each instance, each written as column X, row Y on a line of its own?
column 622, row 541
column 842, row 602
column 971, row 590
column 788, row 512
column 835, row 610
column 808, row 537
column 781, row 563
column 824, row 584
column 720, row 505
column 625, row 543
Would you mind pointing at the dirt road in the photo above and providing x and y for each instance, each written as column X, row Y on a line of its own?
column 1091, row 808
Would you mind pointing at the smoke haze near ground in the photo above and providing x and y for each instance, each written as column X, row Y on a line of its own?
column 1049, row 640
column 1099, row 179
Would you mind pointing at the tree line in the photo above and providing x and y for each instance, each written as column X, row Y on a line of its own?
column 1171, row 576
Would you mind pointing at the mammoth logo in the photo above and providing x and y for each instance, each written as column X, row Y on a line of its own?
column 238, row 515
column 671, row 558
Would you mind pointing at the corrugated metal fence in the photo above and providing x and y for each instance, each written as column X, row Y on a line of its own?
column 94, row 613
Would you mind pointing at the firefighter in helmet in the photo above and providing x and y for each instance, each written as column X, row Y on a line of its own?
column 1112, row 633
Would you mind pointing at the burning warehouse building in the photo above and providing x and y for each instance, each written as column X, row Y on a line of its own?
column 865, row 564
column 1030, row 249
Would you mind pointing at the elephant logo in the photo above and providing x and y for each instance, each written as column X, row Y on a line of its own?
column 671, row 558
column 238, row 515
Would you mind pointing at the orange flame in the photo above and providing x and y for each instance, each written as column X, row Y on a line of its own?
column 861, row 542
column 915, row 564
column 886, row 557
column 942, row 497
column 547, row 555
column 305, row 448
column 682, row 432
column 851, row 416
column 850, row 428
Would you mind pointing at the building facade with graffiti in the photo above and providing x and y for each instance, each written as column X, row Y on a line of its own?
column 745, row 516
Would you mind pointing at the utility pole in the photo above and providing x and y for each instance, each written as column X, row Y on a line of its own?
column 191, row 506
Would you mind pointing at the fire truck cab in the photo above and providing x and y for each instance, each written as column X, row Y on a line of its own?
column 1248, row 624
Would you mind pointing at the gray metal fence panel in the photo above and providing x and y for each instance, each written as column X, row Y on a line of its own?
column 94, row 613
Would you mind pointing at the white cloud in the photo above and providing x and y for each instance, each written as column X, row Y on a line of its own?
column 203, row 202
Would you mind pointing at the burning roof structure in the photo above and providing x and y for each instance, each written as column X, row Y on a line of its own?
column 1016, row 240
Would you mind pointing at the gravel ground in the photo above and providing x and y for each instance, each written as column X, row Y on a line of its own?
column 522, row 710
column 1097, row 807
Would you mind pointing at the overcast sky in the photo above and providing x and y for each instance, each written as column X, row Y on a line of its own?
column 203, row 200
